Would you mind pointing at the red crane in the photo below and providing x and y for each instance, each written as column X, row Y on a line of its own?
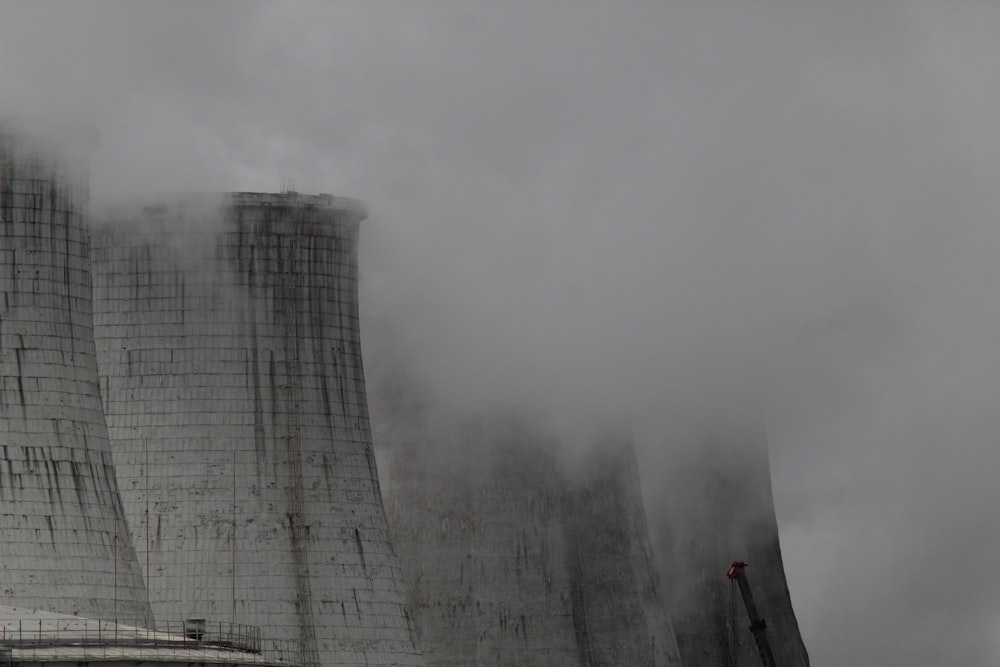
column 738, row 573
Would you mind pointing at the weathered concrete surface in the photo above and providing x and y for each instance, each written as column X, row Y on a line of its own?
column 482, row 547
column 64, row 544
column 230, row 357
column 619, row 612
column 513, row 560
column 714, row 506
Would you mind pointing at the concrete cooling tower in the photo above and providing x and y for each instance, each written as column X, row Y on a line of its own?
column 64, row 544
column 512, row 560
column 713, row 507
column 230, row 358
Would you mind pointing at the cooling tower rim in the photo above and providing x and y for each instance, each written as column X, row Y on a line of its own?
column 112, row 206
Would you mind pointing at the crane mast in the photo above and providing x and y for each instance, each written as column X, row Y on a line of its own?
column 738, row 573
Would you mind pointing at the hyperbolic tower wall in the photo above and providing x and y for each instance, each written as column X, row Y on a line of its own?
column 714, row 507
column 229, row 349
column 64, row 544
column 514, row 559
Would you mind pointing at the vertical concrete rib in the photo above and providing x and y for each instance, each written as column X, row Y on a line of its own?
column 228, row 335
column 64, row 543
column 714, row 507
column 514, row 557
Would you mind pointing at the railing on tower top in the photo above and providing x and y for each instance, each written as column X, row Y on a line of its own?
column 36, row 636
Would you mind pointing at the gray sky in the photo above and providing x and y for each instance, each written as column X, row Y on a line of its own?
column 635, row 205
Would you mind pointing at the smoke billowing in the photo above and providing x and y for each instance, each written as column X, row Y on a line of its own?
column 700, row 209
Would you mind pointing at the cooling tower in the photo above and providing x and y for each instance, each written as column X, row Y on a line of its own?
column 515, row 559
column 619, row 613
column 714, row 506
column 230, row 356
column 480, row 540
column 64, row 544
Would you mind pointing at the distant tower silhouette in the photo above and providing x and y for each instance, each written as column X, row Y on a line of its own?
column 230, row 355
column 514, row 557
column 616, row 589
column 714, row 506
column 64, row 543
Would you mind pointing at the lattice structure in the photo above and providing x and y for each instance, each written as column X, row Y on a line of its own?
column 512, row 557
column 64, row 544
column 230, row 356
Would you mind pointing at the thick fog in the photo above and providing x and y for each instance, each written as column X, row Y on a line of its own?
column 733, row 207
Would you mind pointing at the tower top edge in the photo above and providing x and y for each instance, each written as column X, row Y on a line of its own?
column 110, row 205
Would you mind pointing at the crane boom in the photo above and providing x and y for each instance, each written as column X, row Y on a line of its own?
column 738, row 573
